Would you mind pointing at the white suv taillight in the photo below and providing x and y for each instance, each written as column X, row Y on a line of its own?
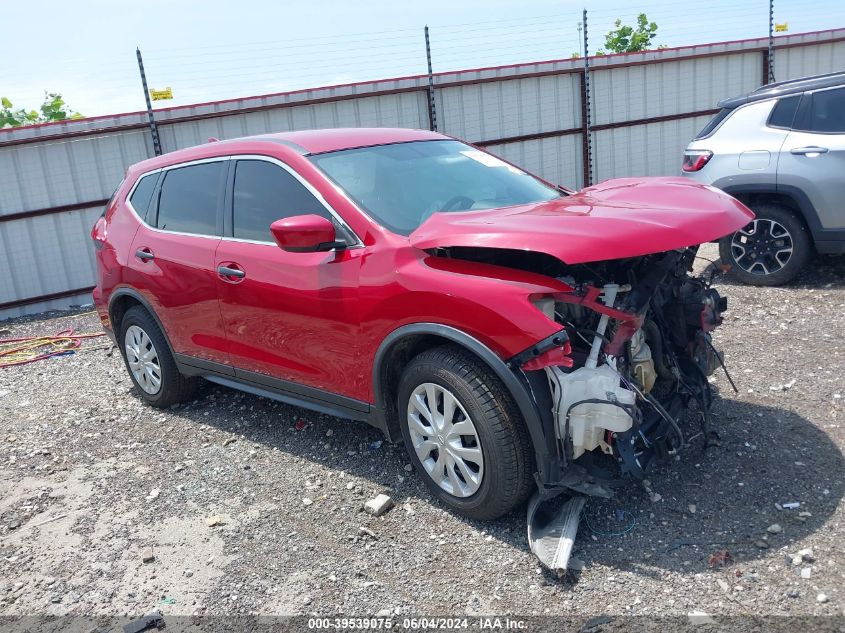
column 695, row 159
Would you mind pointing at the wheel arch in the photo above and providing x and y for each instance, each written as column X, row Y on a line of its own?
column 784, row 195
column 121, row 301
column 404, row 343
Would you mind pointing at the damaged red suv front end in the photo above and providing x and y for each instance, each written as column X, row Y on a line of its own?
column 516, row 335
column 637, row 324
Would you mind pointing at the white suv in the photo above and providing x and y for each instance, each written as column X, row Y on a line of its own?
column 781, row 151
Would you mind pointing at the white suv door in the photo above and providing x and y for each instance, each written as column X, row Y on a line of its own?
column 812, row 158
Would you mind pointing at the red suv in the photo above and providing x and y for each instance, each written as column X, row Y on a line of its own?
column 513, row 333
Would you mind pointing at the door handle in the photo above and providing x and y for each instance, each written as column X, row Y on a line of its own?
column 144, row 254
column 803, row 151
column 225, row 271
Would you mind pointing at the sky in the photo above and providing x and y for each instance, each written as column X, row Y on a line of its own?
column 207, row 50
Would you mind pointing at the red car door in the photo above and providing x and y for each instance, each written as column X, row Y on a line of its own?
column 172, row 261
column 291, row 319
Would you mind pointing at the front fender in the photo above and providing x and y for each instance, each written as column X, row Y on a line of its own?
column 490, row 303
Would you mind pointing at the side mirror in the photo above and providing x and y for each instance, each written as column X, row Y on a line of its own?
column 305, row 234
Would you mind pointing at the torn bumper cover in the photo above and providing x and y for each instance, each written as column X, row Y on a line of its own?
column 551, row 535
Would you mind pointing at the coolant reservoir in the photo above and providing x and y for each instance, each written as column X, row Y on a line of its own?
column 589, row 421
column 642, row 362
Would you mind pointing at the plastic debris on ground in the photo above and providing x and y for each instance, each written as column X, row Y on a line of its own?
column 551, row 532
column 153, row 620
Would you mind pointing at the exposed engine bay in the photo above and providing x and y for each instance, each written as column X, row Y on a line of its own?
column 641, row 352
column 638, row 355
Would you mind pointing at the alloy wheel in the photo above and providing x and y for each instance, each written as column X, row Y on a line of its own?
column 142, row 358
column 445, row 440
column 763, row 247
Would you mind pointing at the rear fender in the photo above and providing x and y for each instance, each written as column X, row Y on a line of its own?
column 136, row 297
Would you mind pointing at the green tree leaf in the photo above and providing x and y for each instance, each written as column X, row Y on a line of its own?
column 54, row 108
column 627, row 39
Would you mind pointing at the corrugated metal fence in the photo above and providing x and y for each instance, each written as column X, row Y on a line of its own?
column 55, row 178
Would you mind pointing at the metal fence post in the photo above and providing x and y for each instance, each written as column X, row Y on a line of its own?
column 587, row 144
column 153, row 126
column 432, row 112
column 771, row 49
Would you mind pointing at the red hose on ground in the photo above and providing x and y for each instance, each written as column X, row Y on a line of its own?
column 29, row 349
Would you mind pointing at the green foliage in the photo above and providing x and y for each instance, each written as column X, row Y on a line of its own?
column 54, row 108
column 627, row 39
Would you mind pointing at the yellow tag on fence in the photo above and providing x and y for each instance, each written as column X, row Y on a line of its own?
column 161, row 95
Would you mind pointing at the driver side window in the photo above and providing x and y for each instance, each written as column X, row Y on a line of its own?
column 263, row 193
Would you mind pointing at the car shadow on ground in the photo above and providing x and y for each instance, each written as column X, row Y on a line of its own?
column 822, row 271
column 722, row 505
column 704, row 508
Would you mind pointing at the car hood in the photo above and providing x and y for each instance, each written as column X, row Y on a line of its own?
column 616, row 219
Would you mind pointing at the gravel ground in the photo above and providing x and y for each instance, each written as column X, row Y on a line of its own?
column 92, row 481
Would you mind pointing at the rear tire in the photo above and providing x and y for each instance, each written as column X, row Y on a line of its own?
column 150, row 363
column 769, row 251
column 472, row 448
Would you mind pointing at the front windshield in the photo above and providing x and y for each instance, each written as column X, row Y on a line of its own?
column 403, row 184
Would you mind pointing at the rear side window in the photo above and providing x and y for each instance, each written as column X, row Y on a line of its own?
column 828, row 111
column 143, row 193
column 708, row 129
column 784, row 112
column 189, row 198
column 264, row 193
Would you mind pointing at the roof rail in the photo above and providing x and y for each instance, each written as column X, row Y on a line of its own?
column 813, row 78
column 789, row 87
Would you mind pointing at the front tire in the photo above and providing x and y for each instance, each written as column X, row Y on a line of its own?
column 769, row 251
column 464, row 434
column 150, row 363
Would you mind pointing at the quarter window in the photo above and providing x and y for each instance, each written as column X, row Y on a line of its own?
column 189, row 197
column 713, row 123
column 264, row 193
column 140, row 198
